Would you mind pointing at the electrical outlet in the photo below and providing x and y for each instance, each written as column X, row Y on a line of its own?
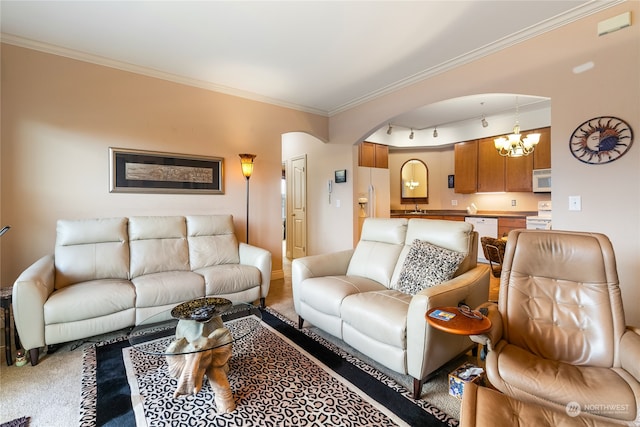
column 513, row 202
column 454, row 203
column 575, row 203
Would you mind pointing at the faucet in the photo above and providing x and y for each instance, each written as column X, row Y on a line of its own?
column 416, row 209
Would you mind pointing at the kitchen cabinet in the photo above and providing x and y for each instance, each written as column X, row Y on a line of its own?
column 366, row 154
column 466, row 167
column 382, row 156
column 479, row 167
column 505, row 225
column 519, row 170
column 542, row 153
column 491, row 167
column 373, row 155
column 518, row 174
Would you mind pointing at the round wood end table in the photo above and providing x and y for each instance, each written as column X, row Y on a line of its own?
column 459, row 324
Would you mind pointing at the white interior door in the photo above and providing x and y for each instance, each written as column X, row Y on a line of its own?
column 298, row 196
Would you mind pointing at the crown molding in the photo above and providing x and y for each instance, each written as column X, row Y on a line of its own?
column 150, row 72
column 568, row 17
column 572, row 15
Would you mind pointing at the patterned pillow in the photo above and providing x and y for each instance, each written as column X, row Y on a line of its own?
column 427, row 265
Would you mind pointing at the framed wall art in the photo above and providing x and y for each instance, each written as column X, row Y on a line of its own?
column 601, row 140
column 135, row 171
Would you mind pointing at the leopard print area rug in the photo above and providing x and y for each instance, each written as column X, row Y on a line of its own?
column 279, row 376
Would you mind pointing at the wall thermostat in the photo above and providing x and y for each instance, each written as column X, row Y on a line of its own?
column 341, row 176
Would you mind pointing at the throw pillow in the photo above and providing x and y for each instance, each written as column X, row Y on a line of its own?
column 427, row 265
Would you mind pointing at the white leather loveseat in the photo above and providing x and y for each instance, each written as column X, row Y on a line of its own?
column 112, row 273
column 364, row 296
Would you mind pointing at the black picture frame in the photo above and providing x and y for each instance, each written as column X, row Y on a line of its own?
column 139, row 171
column 450, row 181
column 341, row 176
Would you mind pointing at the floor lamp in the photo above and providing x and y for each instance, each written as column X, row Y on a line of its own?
column 246, row 161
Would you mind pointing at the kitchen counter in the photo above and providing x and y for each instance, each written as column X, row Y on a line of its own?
column 462, row 213
column 501, row 222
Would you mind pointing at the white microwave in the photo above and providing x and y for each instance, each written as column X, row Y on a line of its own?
column 542, row 181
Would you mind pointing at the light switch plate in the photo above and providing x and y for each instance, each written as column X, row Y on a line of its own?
column 575, row 203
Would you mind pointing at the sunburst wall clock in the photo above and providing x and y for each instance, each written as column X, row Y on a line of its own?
column 601, row 140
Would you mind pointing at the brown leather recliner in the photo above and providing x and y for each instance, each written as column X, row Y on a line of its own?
column 559, row 334
column 484, row 407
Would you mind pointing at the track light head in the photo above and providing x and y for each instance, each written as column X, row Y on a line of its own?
column 435, row 132
column 411, row 134
column 484, row 121
column 389, row 130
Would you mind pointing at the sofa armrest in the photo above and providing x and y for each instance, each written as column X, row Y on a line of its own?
column 630, row 352
column 331, row 264
column 472, row 287
column 30, row 291
column 260, row 258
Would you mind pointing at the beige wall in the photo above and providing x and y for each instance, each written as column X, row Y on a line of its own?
column 328, row 225
column 60, row 116
column 543, row 66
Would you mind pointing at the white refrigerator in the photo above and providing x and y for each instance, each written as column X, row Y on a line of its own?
column 373, row 184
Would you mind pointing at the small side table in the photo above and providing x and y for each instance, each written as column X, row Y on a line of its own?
column 5, row 302
column 459, row 324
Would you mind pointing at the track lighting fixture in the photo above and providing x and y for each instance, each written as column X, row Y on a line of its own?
column 435, row 132
column 484, row 121
column 389, row 130
column 411, row 134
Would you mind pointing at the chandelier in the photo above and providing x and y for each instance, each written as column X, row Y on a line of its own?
column 513, row 145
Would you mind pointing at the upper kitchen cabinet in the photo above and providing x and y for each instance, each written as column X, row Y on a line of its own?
column 491, row 167
column 542, row 153
column 518, row 174
column 479, row 167
column 373, row 155
column 466, row 167
column 519, row 170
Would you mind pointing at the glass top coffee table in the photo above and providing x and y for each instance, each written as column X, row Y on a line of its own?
column 196, row 338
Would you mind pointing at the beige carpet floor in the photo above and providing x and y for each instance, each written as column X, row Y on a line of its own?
column 49, row 393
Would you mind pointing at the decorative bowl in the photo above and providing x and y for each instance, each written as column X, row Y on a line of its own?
column 201, row 309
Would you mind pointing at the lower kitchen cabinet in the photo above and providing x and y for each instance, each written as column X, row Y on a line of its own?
column 505, row 225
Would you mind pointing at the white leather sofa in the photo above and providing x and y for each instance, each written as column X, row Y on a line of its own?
column 108, row 274
column 355, row 294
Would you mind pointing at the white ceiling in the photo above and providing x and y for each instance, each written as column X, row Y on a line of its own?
column 317, row 56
